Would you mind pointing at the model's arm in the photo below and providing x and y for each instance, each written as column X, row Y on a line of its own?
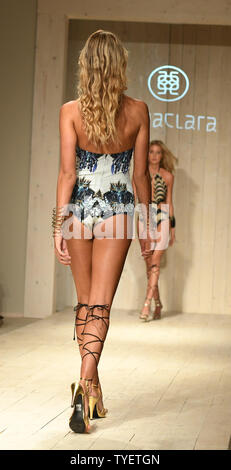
column 134, row 189
column 67, row 168
column 67, row 174
column 141, row 178
column 169, row 201
column 169, row 194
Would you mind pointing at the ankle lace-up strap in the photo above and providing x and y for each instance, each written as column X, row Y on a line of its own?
column 152, row 289
column 91, row 326
column 87, row 384
column 77, row 319
column 98, row 317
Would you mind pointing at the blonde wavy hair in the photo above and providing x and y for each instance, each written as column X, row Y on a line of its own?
column 168, row 160
column 102, row 81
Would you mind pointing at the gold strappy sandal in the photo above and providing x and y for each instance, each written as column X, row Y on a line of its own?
column 157, row 316
column 98, row 341
column 95, row 412
column 79, row 421
column 144, row 316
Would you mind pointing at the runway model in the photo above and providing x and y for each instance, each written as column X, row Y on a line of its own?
column 161, row 168
column 99, row 133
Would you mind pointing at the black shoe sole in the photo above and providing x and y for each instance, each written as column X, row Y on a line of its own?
column 95, row 414
column 76, row 421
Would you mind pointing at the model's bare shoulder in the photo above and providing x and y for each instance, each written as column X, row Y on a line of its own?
column 70, row 107
column 138, row 111
column 136, row 103
column 169, row 177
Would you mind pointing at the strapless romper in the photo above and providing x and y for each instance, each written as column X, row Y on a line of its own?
column 159, row 196
column 103, row 187
column 157, row 213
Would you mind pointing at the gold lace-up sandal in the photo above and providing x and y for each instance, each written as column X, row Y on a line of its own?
column 145, row 315
column 94, row 409
column 93, row 326
column 157, row 312
column 154, row 276
column 79, row 421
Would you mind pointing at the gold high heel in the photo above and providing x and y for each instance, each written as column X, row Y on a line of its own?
column 157, row 316
column 79, row 421
column 144, row 316
column 95, row 412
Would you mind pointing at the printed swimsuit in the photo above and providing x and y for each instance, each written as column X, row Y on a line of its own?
column 159, row 192
column 103, row 187
column 159, row 196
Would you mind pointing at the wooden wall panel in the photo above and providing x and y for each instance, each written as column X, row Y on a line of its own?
column 222, row 188
column 210, row 157
column 48, row 96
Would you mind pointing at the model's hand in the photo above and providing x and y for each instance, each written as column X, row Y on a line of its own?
column 146, row 245
column 61, row 250
column 172, row 236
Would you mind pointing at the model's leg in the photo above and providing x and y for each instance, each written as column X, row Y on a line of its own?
column 154, row 266
column 80, row 250
column 81, row 260
column 108, row 258
column 148, row 297
column 154, row 272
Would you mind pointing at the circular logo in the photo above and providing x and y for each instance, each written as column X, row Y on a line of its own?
column 168, row 83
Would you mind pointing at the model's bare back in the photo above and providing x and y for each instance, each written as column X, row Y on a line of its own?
column 128, row 124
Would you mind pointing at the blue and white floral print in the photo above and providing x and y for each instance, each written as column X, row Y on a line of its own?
column 103, row 187
column 121, row 161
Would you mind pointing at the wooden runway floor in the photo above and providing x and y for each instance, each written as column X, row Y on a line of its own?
column 167, row 383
